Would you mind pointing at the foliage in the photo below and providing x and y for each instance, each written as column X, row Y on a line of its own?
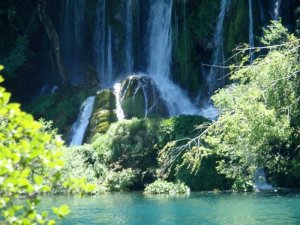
column 121, row 180
column 179, row 127
column 82, row 165
column 17, row 56
column 275, row 34
column 130, row 143
column 164, row 187
column 26, row 154
column 200, row 20
column 60, row 107
column 258, row 120
column 135, row 144
column 206, row 178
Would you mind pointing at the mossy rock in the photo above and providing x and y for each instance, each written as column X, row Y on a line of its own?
column 140, row 98
column 103, row 113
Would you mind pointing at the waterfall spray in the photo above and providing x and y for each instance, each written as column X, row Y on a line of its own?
column 160, row 45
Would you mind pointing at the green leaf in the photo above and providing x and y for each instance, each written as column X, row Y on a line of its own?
column 38, row 179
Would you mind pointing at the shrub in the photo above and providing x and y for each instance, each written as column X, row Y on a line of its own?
column 27, row 154
column 164, row 187
column 122, row 180
column 130, row 143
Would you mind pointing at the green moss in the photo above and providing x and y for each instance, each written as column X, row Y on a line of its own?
column 236, row 27
column 203, row 17
column 134, row 106
column 105, row 100
column 192, row 41
column 103, row 114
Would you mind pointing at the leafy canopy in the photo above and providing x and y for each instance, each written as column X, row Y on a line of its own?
column 259, row 112
column 30, row 165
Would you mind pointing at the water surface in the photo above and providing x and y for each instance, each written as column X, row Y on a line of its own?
column 198, row 208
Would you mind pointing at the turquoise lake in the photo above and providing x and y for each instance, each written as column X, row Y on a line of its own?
column 198, row 208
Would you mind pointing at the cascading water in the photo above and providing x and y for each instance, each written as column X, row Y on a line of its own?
column 260, row 181
column 128, row 21
column 109, row 78
column 185, row 43
column 100, row 42
column 159, row 47
column 103, row 47
column 79, row 127
column 119, row 110
column 276, row 10
column 251, row 31
column 72, row 37
column 215, row 74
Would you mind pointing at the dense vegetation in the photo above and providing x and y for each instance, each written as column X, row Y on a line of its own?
column 257, row 128
column 258, row 125
column 30, row 165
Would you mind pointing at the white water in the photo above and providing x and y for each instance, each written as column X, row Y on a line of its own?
column 128, row 20
column 260, row 181
column 277, row 9
column 79, row 127
column 251, row 31
column 119, row 110
column 103, row 47
column 216, row 74
column 109, row 78
column 160, row 45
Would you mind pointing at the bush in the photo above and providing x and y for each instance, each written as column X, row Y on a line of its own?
column 81, row 162
column 178, row 127
column 164, row 187
column 122, row 180
column 27, row 154
column 130, row 143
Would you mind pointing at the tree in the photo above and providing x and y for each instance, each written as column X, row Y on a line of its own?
column 259, row 115
column 29, row 156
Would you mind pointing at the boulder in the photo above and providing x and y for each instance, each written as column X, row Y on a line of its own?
column 141, row 98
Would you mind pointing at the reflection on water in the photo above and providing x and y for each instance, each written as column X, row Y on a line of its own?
column 199, row 208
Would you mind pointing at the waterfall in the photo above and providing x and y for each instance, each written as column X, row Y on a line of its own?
column 216, row 73
column 103, row 47
column 119, row 110
column 80, row 125
column 277, row 9
column 185, row 43
column 274, row 9
column 251, row 31
column 110, row 74
column 72, row 37
column 128, row 20
column 260, row 181
column 159, row 47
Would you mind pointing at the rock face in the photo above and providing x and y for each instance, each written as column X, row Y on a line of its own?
column 140, row 98
column 103, row 113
